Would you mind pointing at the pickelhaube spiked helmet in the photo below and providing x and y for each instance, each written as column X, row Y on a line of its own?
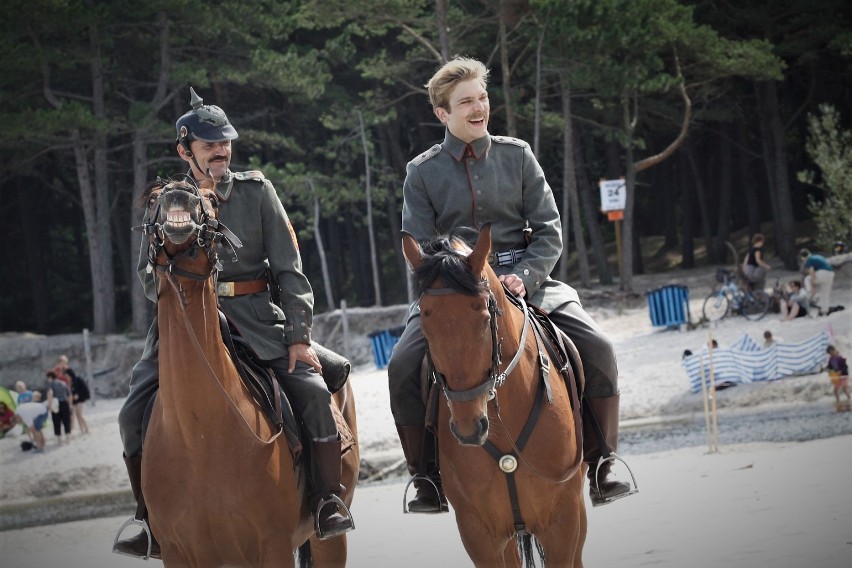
column 208, row 123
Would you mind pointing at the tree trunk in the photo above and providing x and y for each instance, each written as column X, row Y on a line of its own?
column 626, row 268
column 374, row 261
column 34, row 253
column 511, row 128
column 725, row 174
column 587, row 201
column 569, row 188
column 687, row 205
column 775, row 152
column 326, row 279
column 103, row 277
column 703, row 206
column 747, row 181
column 443, row 36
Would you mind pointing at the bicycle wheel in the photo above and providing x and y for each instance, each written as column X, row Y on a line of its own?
column 755, row 304
column 716, row 306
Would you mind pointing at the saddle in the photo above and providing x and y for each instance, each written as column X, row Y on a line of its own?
column 265, row 389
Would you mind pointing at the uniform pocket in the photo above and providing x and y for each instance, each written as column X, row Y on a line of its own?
column 266, row 310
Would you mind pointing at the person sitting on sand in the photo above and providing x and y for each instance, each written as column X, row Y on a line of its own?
column 796, row 306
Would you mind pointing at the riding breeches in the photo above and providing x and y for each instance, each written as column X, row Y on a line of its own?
column 304, row 387
column 596, row 352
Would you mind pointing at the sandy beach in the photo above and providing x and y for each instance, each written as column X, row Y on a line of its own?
column 765, row 499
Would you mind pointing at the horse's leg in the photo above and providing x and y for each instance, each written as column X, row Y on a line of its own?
column 330, row 552
column 485, row 549
column 564, row 537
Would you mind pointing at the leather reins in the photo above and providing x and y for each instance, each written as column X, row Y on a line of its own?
column 210, row 233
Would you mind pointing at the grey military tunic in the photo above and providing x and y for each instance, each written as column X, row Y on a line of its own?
column 252, row 210
column 454, row 188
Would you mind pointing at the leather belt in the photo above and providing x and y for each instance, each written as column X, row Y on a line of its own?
column 230, row 289
column 506, row 258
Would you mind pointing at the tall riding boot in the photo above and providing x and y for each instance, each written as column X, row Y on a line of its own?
column 429, row 496
column 325, row 496
column 600, row 441
column 137, row 546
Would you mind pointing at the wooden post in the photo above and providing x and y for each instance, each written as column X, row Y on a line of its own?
column 713, row 413
column 618, row 249
column 346, row 352
column 89, row 377
column 704, row 392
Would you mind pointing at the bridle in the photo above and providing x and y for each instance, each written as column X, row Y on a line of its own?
column 209, row 235
column 495, row 378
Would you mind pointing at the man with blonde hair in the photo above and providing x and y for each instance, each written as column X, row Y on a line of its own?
column 470, row 179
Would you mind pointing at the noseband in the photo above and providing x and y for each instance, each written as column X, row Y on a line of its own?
column 209, row 233
column 495, row 378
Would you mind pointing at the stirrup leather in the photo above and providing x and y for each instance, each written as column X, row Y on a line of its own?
column 332, row 499
column 144, row 525
column 443, row 507
column 597, row 498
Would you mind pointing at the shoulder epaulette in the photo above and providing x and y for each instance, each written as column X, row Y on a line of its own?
column 253, row 175
column 509, row 140
column 430, row 153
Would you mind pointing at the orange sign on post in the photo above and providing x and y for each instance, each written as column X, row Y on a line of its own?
column 615, row 215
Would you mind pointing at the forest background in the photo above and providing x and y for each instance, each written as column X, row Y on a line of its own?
column 722, row 117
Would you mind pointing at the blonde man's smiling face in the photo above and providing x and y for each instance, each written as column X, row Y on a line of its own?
column 468, row 112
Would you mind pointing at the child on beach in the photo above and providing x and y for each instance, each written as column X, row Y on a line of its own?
column 838, row 370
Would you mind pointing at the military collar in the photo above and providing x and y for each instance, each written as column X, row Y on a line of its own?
column 223, row 188
column 457, row 148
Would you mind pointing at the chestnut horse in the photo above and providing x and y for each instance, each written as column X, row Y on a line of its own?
column 221, row 486
column 509, row 433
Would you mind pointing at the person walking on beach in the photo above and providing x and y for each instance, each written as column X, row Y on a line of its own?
column 754, row 267
column 838, row 371
column 470, row 179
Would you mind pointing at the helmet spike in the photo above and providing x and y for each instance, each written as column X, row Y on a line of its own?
column 194, row 99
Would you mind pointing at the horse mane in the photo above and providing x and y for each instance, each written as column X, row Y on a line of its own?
column 446, row 257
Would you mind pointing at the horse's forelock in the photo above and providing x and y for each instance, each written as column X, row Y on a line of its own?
column 446, row 257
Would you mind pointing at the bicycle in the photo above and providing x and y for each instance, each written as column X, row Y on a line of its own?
column 729, row 297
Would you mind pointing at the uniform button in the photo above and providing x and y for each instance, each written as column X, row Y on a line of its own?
column 304, row 337
column 475, row 177
column 470, row 162
column 478, row 192
column 479, row 208
column 302, row 324
column 537, row 283
column 526, row 271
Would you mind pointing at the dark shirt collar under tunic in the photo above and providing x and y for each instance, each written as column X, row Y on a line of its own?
column 457, row 147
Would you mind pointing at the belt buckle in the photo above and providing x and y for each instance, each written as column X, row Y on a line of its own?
column 225, row 289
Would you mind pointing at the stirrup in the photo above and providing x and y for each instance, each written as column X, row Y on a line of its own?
column 144, row 525
column 332, row 499
column 599, row 499
column 443, row 507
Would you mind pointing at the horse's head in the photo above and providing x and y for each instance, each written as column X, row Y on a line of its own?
column 183, row 219
column 457, row 316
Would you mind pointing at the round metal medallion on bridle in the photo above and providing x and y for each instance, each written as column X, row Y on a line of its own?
column 508, row 463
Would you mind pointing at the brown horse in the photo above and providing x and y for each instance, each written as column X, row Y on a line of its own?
column 221, row 486
column 508, row 427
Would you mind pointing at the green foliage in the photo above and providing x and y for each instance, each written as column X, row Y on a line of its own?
column 830, row 148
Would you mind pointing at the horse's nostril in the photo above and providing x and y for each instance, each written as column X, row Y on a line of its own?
column 483, row 424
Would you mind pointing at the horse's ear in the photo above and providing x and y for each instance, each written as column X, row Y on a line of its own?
column 480, row 252
column 412, row 251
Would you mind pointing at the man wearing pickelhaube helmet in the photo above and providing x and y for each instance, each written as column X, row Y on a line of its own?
column 282, row 338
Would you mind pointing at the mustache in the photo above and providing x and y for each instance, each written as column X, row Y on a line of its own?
column 218, row 158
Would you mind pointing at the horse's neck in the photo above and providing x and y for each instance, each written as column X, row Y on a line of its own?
column 191, row 341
